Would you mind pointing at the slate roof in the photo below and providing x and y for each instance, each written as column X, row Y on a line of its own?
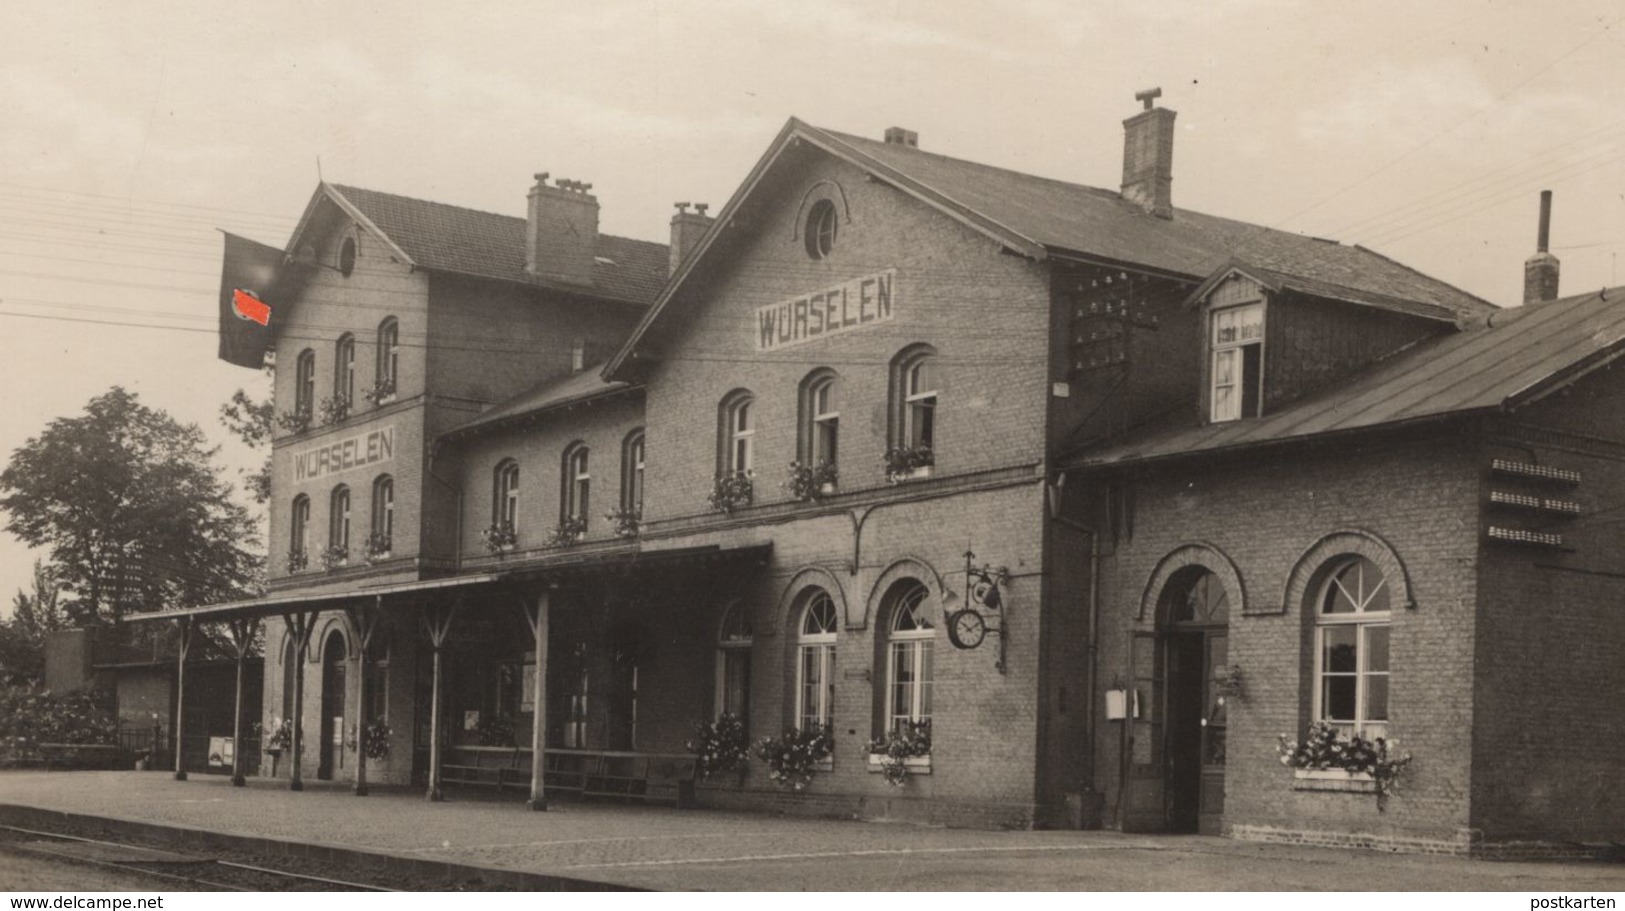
column 1072, row 217
column 554, row 393
column 454, row 239
column 1507, row 359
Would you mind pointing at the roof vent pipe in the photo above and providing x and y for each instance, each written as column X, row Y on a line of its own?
column 1540, row 272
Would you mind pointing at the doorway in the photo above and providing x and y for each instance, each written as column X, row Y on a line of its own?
column 1196, row 646
column 334, row 660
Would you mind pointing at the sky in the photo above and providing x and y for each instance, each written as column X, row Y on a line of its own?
column 130, row 133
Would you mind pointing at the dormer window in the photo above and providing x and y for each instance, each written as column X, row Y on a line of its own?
column 1238, row 363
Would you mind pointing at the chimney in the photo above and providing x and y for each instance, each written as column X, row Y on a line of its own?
column 686, row 230
column 897, row 136
column 561, row 231
column 1148, row 156
column 1540, row 270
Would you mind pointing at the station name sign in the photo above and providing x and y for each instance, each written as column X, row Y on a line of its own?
column 358, row 451
column 846, row 307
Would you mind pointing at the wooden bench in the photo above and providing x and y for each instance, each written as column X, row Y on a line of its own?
column 622, row 775
column 496, row 767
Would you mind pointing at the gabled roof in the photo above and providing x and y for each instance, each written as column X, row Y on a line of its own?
column 446, row 238
column 1511, row 358
column 578, row 387
column 1280, row 281
column 1040, row 217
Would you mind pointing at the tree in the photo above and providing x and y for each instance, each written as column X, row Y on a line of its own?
column 133, row 509
column 251, row 422
column 22, row 638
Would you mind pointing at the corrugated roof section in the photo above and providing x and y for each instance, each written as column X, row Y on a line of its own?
column 1491, row 366
column 1088, row 220
column 454, row 239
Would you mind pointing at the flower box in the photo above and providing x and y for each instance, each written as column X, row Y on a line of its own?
column 1333, row 780
column 914, row 765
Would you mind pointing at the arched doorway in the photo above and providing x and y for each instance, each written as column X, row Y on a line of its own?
column 1193, row 623
column 334, row 660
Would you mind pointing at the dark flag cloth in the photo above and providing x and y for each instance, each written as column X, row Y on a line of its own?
column 248, row 280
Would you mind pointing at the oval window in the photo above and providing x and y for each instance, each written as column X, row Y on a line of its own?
column 821, row 229
column 347, row 257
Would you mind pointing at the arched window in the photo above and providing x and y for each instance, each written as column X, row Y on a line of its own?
column 815, row 661
column 738, row 433
column 304, row 383
column 299, row 527
column 1351, row 648
column 389, row 355
column 344, row 369
column 1196, row 595
column 914, row 401
column 733, row 663
column 821, row 228
column 338, row 520
column 577, row 483
column 632, row 457
column 505, row 496
column 383, row 513
column 820, row 417
column 909, row 656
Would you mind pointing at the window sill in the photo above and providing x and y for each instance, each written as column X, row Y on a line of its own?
column 913, row 474
column 913, row 765
column 1337, row 780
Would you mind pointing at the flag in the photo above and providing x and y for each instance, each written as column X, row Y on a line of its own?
column 248, row 282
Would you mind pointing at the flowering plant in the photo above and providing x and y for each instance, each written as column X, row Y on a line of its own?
column 381, row 391
column 495, row 731
column 499, row 537
column 807, row 480
column 569, row 530
column 374, row 738
column 335, row 556
column 731, row 491
column 627, row 522
column 901, row 461
column 295, row 421
column 792, row 758
column 896, row 746
column 335, row 409
column 378, row 547
column 722, row 745
column 297, row 560
column 281, row 737
column 1326, row 748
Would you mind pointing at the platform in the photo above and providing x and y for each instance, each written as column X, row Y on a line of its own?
column 665, row 848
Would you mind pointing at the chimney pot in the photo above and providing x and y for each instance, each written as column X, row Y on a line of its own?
column 898, row 136
column 700, row 207
column 686, row 230
column 1541, row 271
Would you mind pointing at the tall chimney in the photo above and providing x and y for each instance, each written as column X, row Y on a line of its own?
column 561, row 231
column 1148, row 156
column 686, row 230
column 1540, row 270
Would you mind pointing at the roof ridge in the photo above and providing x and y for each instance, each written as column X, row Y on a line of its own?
column 452, row 205
column 1414, row 271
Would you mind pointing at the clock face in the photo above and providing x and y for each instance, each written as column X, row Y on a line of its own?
column 966, row 628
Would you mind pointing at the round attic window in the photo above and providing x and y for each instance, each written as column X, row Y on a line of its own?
column 820, row 231
column 347, row 257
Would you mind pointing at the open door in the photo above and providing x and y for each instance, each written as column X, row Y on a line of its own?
column 334, row 661
column 1144, row 797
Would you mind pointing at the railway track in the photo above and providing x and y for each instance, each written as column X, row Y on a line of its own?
column 197, row 871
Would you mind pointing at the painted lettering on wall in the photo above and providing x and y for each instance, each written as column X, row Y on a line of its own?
column 846, row 307
column 358, row 451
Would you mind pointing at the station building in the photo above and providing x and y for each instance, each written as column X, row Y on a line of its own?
column 1102, row 493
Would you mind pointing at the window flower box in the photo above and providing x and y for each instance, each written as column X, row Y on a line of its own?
column 907, row 463
column 297, row 560
column 335, row 409
column 378, row 548
column 809, row 481
column 628, row 523
column 732, row 490
column 912, row 765
column 1340, row 780
column 569, row 531
column 499, row 538
column 295, row 421
column 336, row 556
column 382, row 393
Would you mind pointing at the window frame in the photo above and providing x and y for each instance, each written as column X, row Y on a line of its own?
column 821, row 230
column 820, row 417
column 1236, row 351
column 344, row 368
column 634, row 456
column 304, row 382
column 577, row 481
column 1364, row 622
column 916, row 647
column 737, row 433
column 388, row 365
column 910, row 403
column 383, row 506
column 736, row 637
column 820, row 647
column 299, row 526
column 505, row 495
column 338, row 517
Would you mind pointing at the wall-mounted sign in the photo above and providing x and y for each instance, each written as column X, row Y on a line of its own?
column 848, row 306
column 359, row 451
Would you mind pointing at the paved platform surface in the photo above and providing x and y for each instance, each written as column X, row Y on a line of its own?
column 662, row 848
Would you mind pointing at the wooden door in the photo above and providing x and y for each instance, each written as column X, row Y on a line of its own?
column 1144, row 783
column 332, row 737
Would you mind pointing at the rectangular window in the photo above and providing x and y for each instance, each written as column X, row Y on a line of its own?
column 911, row 676
column 817, row 693
column 1352, row 660
column 1237, row 367
column 733, row 691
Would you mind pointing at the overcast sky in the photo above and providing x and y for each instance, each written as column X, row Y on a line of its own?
column 129, row 132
